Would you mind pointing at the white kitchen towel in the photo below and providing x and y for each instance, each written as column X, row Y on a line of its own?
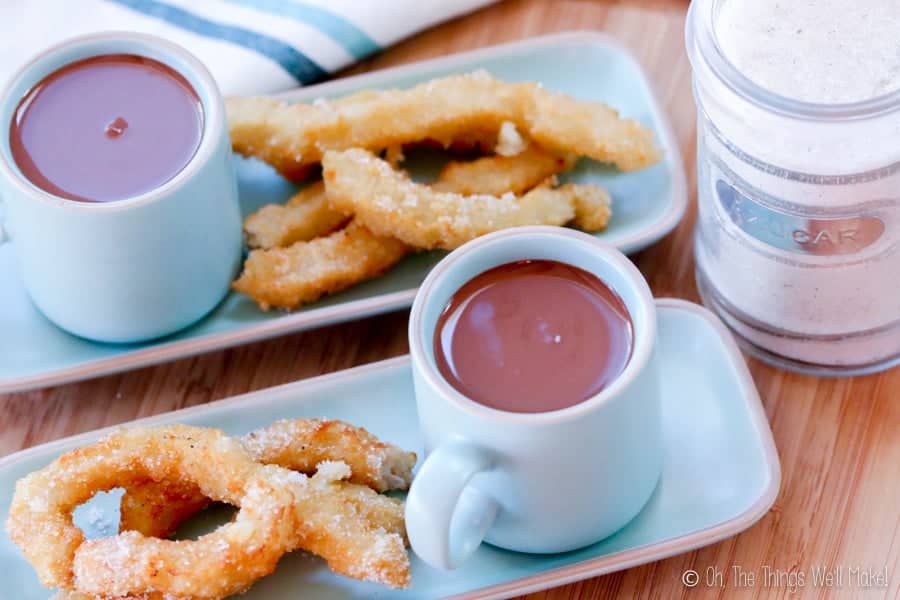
column 251, row 46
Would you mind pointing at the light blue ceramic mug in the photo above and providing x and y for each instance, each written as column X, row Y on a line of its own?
column 532, row 482
column 137, row 268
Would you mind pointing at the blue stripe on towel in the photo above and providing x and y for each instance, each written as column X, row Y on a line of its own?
column 291, row 60
column 354, row 40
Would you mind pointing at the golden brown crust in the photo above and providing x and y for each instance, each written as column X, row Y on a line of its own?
column 389, row 204
column 306, row 271
column 368, row 540
column 157, row 508
column 593, row 207
column 359, row 532
column 73, row 595
column 306, row 216
column 471, row 106
column 468, row 199
column 302, row 444
column 561, row 123
column 302, row 273
column 40, row 516
column 497, row 175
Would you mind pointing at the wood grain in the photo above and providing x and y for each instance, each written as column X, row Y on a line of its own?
column 839, row 440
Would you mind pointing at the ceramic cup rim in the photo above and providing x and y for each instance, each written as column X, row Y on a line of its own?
column 100, row 44
column 644, row 336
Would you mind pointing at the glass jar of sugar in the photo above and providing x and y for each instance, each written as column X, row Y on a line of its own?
column 797, row 244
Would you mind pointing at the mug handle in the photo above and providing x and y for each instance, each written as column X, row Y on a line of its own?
column 446, row 518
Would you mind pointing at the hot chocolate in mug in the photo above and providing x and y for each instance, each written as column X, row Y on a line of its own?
column 142, row 266
column 538, row 482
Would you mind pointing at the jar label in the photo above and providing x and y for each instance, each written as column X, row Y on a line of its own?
column 822, row 236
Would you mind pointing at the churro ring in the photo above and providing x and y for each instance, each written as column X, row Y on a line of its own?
column 358, row 532
column 326, row 517
column 303, row 444
column 156, row 508
column 41, row 524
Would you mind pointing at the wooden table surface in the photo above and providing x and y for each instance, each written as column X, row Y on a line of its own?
column 839, row 439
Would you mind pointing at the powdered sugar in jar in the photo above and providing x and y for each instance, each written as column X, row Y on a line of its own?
column 798, row 238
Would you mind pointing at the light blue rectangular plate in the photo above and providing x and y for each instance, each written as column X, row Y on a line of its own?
column 720, row 473
column 647, row 205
